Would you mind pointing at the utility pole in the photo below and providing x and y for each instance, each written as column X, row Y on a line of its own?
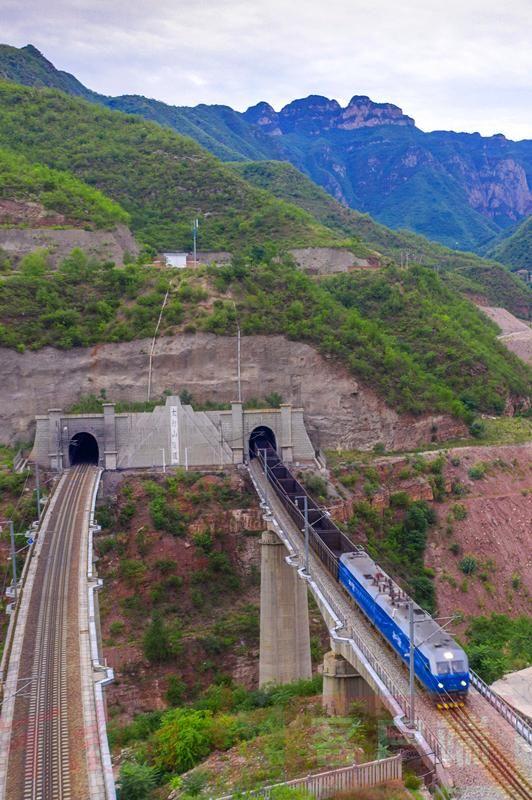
column 412, row 713
column 195, row 226
column 306, row 529
column 37, row 490
column 239, row 379
column 238, row 358
column 307, row 532
column 164, row 459
column 13, row 559
column 265, row 457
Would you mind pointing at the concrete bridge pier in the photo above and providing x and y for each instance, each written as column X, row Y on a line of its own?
column 284, row 624
column 343, row 686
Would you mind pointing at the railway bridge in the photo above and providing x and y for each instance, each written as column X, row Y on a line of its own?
column 483, row 750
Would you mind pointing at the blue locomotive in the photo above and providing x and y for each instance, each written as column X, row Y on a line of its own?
column 440, row 663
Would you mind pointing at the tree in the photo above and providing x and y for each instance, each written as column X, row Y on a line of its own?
column 136, row 781
column 156, row 644
column 35, row 265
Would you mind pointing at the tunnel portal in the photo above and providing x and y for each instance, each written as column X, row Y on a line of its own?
column 83, row 449
column 261, row 437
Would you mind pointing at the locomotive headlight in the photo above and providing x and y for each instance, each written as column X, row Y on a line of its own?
column 463, row 683
column 440, row 686
column 448, row 655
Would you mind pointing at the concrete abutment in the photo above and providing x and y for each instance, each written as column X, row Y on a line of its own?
column 284, row 621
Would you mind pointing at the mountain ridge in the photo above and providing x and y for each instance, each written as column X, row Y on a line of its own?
column 460, row 189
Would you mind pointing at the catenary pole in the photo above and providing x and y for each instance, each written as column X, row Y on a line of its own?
column 13, row 558
column 412, row 687
column 38, row 490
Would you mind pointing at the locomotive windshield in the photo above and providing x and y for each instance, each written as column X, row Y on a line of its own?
column 458, row 666
column 443, row 668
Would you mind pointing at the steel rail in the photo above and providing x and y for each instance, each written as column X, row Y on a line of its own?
column 47, row 764
column 515, row 785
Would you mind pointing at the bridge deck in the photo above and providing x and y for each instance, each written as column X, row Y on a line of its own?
column 464, row 764
column 50, row 723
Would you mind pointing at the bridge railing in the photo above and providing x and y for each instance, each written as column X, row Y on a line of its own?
column 336, row 781
column 517, row 722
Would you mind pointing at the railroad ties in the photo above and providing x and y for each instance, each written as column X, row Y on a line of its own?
column 47, row 758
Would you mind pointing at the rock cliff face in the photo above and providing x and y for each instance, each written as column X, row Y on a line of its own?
column 338, row 411
column 314, row 115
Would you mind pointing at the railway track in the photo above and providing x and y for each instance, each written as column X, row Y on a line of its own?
column 47, row 761
column 492, row 758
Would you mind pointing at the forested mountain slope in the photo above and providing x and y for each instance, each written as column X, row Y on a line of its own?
column 160, row 178
column 35, row 194
column 466, row 272
column 456, row 188
column 515, row 249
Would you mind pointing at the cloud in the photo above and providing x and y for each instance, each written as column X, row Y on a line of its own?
column 462, row 64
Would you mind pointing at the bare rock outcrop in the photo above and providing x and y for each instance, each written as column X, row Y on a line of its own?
column 101, row 244
column 339, row 412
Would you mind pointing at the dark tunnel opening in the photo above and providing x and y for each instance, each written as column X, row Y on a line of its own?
column 83, row 449
column 261, row 437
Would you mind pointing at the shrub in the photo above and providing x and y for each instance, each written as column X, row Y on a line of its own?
column 173, row 582
column 316, row 485
column 136, row 781
column 400, row 500
column 477, row 471
column 477, row 429
column 203, row 541
column 412, row 781
column 273, row 400
column 132, row 571
column 126, row 513
column 193, row 783
column 116, row 628
column 104, row 544
column 516, row 581
column 183, row 740
column 468, row 565
column 165, row 565
column 455, row 549
column 459, row 511
column 379, row 449
column 175, row 691
column 156, row 643
column 455, row 461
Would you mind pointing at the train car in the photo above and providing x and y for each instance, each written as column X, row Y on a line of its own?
column 440, row 663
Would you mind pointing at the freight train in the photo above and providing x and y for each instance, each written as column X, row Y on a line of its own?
column 440, row 664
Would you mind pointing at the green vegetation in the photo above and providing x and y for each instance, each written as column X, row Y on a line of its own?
column 499, row 644
column 280, row 731
column 27, row 65
column 56, row 191
column 136, row 781
column 402, row 331
column 477, row 471
column 82, row 303
column 444, row 334
column 514, row 249
column 468, row 565
column 464, row 272
column 160, row 178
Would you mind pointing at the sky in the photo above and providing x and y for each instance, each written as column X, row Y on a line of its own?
column 462, row 65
